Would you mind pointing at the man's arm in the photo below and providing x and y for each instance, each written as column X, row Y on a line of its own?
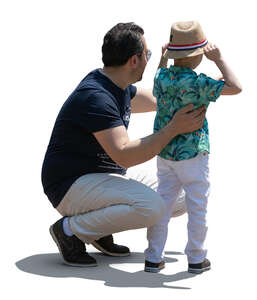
column 115, row 141
column 144, row 101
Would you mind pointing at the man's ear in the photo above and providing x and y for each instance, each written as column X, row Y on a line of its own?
column 133, row 61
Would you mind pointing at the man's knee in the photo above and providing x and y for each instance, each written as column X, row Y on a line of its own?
column 152, row 211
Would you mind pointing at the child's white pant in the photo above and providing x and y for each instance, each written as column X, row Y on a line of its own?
column 192, row 175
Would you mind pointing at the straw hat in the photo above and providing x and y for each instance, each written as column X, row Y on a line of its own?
column 186, row 39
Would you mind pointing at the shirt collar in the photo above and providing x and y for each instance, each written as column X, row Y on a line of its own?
column 177, row 69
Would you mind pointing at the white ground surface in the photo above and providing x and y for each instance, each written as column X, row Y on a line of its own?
column 47, row 48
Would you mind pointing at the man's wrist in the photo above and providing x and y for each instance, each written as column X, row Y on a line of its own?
column 172, row 129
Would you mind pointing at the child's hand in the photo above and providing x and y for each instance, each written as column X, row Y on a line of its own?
column 212, row 52
column 164, row 48
column 163, row 60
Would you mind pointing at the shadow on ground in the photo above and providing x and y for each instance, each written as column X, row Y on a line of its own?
column 51, row 265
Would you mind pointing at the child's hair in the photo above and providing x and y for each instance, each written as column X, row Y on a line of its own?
column 190, row 61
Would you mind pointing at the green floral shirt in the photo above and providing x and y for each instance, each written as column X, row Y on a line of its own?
column 174, row 88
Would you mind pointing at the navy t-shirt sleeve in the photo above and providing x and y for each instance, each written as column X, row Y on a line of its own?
column 99, row 112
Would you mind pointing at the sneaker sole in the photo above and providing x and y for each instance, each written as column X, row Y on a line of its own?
column 98, row 247
column 66, row 262
column 153, row 270
column 199, row 271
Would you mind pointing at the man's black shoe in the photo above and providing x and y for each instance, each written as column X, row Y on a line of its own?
column 199, row 268
column 71, row 248
column 107, row 246
column 154, row 267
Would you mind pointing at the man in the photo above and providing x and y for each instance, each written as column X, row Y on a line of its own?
column 84, row 170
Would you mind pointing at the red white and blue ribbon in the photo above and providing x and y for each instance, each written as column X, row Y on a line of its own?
column 187, row 47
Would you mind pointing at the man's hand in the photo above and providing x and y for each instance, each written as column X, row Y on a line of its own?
column 185, row 120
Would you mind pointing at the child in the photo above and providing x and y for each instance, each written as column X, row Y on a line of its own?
column 183, row 163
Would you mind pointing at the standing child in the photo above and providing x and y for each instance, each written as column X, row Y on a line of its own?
column 183, row 163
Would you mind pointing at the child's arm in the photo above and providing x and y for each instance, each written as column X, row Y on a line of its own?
column 232, row 85
column 163, row 60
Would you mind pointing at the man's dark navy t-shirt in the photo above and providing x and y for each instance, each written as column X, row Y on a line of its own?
column 96, row 104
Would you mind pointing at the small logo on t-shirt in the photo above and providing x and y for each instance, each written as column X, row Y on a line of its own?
column 126, row 117
column 127, row 112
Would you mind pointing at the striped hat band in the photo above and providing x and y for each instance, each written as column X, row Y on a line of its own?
column 187, row 47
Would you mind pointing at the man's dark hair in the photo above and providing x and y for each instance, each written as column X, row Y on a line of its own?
column 120, row 43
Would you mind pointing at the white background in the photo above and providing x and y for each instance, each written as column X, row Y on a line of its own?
column 47, row 47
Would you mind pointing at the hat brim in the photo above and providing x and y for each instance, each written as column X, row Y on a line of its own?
column 171, row 54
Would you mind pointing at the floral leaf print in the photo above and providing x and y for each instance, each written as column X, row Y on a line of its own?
column 174, row 88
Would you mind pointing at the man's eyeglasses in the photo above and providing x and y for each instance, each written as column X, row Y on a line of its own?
column 148, row 54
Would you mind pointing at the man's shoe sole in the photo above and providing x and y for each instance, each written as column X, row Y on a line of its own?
column 66, row 262
column 98, row 247
column 198, row 271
